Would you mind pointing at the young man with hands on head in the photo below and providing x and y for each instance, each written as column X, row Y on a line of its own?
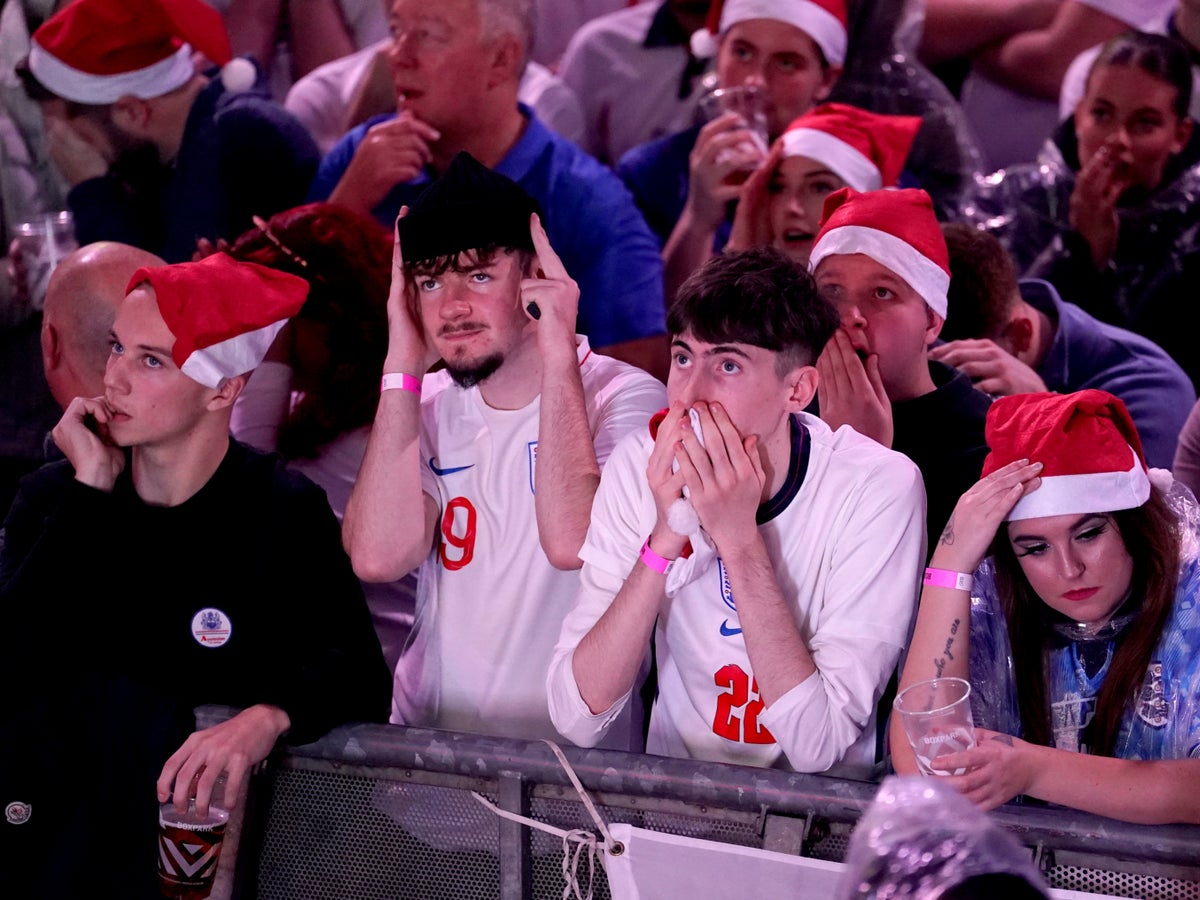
column 779, row 595
column 482, row 475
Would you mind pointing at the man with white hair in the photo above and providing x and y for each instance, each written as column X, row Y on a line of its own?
column 456, row 68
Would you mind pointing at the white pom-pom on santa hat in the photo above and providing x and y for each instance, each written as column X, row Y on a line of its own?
column 239, row 74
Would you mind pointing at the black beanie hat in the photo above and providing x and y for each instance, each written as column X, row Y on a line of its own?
column 469, row 208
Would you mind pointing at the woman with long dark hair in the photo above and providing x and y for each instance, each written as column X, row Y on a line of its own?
column 1081, row 634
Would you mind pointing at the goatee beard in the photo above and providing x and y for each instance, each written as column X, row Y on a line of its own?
column 470, row 375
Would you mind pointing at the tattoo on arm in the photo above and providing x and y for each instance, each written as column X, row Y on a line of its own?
column 1003, row 739
column 940, row 664
column 948, row 532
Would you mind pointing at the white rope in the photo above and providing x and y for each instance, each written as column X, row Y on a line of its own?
column 584, row 841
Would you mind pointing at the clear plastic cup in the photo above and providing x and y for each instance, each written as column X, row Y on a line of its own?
column 936, row 715
column 750, row 102
column 42, row 243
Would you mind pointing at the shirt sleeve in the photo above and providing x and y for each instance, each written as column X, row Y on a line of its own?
column 870, row 598
column 626, row 405
column 335, row 163
column 620, row 512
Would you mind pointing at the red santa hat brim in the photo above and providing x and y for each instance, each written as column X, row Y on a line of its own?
column 845, row 161
column 1088, row 446
column 224, row 314
column 866, row 150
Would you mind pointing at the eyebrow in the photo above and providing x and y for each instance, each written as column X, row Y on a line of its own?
column 1078, row 523
column 717, row 349
column 149, row 348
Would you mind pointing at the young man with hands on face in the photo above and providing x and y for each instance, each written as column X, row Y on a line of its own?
column 881, row 259
column 184, row 569
column 779, row 610
column 482, row 475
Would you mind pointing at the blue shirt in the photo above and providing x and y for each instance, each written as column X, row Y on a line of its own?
column 1088, row 353
column 589, row 216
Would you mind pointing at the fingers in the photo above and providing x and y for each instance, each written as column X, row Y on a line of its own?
column 876, row 381
column 548, row 261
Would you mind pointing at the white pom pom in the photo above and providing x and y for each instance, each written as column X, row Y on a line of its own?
column 703, row 44
column 238, row 75
column 682, row 518
column 1162, row 479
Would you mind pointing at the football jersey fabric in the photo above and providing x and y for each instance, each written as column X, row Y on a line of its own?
column 846, row 537
column 489, row 603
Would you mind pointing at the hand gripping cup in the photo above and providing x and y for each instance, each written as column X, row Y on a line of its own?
column 189, row 846
column 937, row 719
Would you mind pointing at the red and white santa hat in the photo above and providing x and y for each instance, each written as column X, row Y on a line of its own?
column 822, row 20
column 897, row 229
column 224, row 314
column 864, row 149
column 97, row 51
column 1089, row 449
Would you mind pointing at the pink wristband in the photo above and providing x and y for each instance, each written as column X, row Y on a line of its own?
column 401, row 381
column 658, row 563
column 944, row 578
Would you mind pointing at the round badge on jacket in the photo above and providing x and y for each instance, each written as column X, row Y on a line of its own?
column 211, row 628
column 17, row 813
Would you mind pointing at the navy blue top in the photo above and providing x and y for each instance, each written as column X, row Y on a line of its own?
column 241, row 155
column 1088, row 353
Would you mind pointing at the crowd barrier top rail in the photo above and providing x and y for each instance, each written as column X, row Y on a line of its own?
column 718, row 785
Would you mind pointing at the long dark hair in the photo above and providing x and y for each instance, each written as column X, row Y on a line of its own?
column 1151, row 535
column 346, row 259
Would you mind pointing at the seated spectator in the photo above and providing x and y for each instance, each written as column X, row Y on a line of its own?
column 1015, row 337
column 314, row 395
column 635, row 74
column 778, row 631
column 161, row 566
column 794, row 51
column 831, row 147
column 1180, row 23
column 881, row 259
column 491, row 462
column 157, row 155
column 558, row 20
column 1107, row 216
column 82, row 299
column 344, row 93
column 1019, row 57
column 460, row 94
column 1082, row 646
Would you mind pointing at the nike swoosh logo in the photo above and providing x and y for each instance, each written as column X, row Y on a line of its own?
column 450, row 471
column 727, row 631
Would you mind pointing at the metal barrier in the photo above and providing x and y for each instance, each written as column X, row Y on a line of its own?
column 374, row 811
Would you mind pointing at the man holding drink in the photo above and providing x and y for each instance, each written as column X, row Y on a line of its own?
column 162, row 566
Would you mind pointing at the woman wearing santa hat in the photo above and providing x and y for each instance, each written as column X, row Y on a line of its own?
column 831, row 147
column 1080, row 634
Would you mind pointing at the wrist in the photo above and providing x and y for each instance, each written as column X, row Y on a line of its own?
column 411, row 363
column 666, row 543
column 400, row 381
column 951, row 562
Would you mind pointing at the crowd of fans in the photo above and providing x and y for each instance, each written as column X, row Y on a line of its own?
column 642, row 413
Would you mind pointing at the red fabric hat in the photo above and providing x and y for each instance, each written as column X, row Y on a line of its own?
column 864, row 149
column 897, row 229
column 1087, row 444
column 97, row 51
column 224, row 314
column 822, row 20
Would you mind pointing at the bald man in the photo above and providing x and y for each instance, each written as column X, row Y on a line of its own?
column 81, row 304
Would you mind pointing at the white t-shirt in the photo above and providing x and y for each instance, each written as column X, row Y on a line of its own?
column 489, row 603
column 847, row 547
column 629, row 92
